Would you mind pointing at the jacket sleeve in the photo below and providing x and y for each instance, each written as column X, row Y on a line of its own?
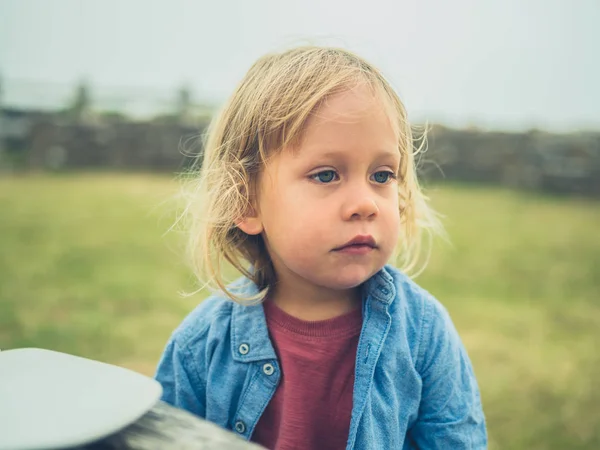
column 450, row 414
column 180, row 379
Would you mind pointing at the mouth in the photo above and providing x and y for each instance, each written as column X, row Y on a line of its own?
column 360, row 244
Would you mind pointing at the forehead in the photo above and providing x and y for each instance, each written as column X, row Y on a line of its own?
column 350, row 104
column 356, row 119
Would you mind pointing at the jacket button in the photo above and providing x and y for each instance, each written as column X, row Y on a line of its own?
column 244, row 349
column 268, row 369
column 240, row 427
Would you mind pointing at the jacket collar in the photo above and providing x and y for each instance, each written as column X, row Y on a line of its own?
column 249, row 334
column 250, row 340
column 381, row 286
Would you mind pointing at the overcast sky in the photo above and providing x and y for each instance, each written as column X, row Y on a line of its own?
column 494, row 63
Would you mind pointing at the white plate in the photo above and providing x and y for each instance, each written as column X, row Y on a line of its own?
column 53, row 400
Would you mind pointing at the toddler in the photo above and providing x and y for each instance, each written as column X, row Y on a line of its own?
column 308, row 188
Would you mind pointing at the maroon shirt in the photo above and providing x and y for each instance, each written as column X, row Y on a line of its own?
column 312, row 405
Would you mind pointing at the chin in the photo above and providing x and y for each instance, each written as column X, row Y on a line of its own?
column 351, row 277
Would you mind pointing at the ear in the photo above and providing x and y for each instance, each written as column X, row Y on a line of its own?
column 251, row 225
column 250, row 222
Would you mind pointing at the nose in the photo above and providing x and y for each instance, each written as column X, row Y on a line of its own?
column 360, row 204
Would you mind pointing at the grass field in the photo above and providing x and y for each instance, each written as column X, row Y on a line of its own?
column 85, row 268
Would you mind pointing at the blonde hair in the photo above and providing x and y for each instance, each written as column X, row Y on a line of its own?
column 267, row 112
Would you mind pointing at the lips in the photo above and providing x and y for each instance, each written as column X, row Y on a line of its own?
column 360, row 241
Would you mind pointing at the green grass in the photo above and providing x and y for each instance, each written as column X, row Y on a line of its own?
column 85, row 268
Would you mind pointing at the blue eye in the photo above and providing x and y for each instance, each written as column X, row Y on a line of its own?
column 326, row 176
column 383, row 176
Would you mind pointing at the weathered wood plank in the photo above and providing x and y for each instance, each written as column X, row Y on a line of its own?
column 165, row 427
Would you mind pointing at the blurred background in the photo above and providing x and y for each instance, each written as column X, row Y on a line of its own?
column 101, row 101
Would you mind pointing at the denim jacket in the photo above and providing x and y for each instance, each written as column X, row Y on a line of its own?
column 414, row 384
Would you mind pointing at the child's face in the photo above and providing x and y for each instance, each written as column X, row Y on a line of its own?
column 337, row 185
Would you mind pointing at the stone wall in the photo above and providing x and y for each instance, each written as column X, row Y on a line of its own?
column 568, row 163
column 564, row 163
column 121, row 145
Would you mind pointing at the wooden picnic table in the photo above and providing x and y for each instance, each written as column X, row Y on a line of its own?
column 166, row 427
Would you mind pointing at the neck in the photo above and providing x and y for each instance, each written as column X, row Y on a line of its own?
column 309, row 302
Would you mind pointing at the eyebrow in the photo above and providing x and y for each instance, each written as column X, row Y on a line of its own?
column 337, row 154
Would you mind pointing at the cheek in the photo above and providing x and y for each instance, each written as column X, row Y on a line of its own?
column 395, row 227
column 391, row 214
column 292, row 218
